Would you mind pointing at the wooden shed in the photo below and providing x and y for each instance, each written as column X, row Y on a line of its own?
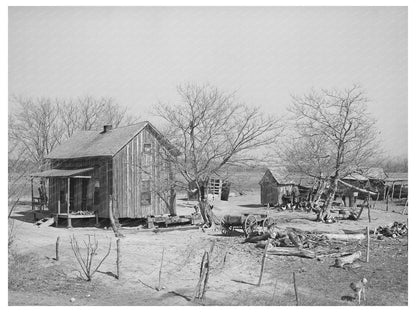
column 122, row 165
column 278, row 186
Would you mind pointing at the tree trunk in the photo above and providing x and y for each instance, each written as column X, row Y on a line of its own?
column 324, row 212
column 112, row 219
column 205, row 212
column 172, row 202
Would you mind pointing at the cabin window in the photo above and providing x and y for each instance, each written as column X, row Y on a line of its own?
column 147, row 149
column 145, row 197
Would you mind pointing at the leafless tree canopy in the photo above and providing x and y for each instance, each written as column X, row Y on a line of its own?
column 211, row 130
column 335, row 136
column 334, row 133
column 37, row 125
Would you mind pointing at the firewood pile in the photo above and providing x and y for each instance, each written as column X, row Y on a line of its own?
column 305, row 244
column 397, row 229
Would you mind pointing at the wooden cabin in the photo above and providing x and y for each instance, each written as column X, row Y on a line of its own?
column 278, row 186
column 123, row 165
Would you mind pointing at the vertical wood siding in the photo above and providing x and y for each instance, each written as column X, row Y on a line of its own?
column 128, row 173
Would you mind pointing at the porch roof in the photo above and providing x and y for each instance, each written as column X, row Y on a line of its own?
column 60, row 173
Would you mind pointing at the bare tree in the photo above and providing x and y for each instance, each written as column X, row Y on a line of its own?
column 35, row 127
column 335, row 136
column 89, row 113
column 38, row 125
column 211, row 130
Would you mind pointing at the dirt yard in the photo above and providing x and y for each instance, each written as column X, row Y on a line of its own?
column 36, row 278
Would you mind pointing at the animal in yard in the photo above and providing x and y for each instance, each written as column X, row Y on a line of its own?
column 358, row 288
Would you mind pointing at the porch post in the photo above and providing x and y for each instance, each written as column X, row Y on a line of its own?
column 33, row 204
column 68, row 204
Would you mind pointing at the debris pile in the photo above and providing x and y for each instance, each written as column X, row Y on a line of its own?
column 296, row 242
column 397, row 229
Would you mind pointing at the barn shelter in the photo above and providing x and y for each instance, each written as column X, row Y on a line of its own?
column 278, row 186
column 123, row 167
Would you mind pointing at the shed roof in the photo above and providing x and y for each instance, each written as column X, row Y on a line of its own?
column 283, row 177
column 375, row 173
column 98, row 143
column 60, row 173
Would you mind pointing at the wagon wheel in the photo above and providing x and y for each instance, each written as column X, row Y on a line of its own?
column 268, row 222
column 250, row 225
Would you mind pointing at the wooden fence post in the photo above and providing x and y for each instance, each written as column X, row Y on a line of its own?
column 159, row 287
column 57, row 249
column 296, row 289
column 368, row 244
column 263, row 262
column 369, row 208
column 118, row 257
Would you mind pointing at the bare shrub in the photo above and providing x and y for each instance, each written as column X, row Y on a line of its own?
column 86, row 261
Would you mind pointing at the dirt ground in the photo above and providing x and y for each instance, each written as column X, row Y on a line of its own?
column 35, row 278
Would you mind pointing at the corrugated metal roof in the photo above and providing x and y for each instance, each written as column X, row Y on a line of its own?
column 397, row 176
column 97, row 143
column 60, row 173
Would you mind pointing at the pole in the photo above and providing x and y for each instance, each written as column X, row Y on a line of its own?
column 263, row 262
column 57, row 249
column 368, row 244
column 68, row 204
column 118, row 258
column 296, row 289
column 369, row 207
column 31, row 184
column 160, row 270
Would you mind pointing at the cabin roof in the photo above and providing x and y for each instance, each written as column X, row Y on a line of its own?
column 283, row 177
column 98, row 143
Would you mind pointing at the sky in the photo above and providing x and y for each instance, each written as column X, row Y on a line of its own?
column 138, row 55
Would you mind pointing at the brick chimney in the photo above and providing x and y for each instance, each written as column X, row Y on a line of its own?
column 107, row 128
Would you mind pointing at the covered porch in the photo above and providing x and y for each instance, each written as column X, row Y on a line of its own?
column 70, row 194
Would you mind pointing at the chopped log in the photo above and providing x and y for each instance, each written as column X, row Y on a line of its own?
column 176, row 228
column 255, row 239
column 345, row 237
column 294, row 239
column 341, row 261
column 291, row 251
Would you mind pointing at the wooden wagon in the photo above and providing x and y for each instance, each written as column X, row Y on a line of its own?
column 249, row 223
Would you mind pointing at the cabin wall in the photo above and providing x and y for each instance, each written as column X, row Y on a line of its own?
column 273, row 193
column 140, row 178
column 97, row 188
